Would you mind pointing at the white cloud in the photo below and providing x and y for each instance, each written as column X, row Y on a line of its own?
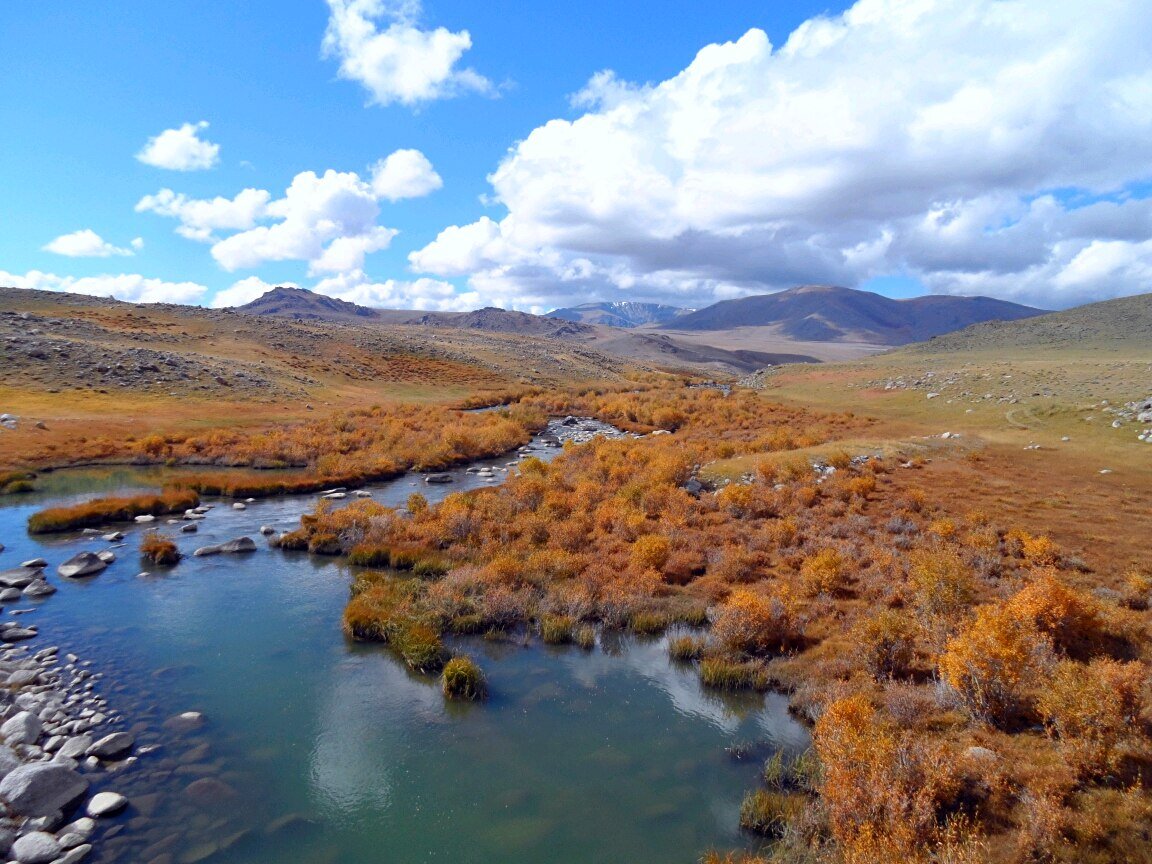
column 328, row 220
column 401, row 63
column 87, row 243
column 131, row 287
column 314, row 211
column 423, row 294
column 181, row 149
column 245, row 291
column 200, row 218
column 404, row 174
column 951, row 139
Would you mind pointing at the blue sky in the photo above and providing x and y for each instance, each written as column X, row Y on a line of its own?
column 616, row 202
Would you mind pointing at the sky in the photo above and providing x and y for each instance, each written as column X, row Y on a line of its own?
column 450, row 155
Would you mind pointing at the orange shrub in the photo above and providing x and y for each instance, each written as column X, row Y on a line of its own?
column 651, row 552
column 886, row 643
column 826, row 572
column 992, row 661
column 1092, row 708
column 752, row 623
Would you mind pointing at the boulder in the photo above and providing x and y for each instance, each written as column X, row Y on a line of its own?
column 39, row 847
column 81, row 564
column 206, row 550
column 107, row 556
column 190, row 528
column 240, row 544
column 9, row 594
column 239, row 505
column 106, row 804
column 22, row 728
column 17, row 634
column 75, row 856
column 19, row 577
column 114, row 537
column 186, row 722
column 267, row 530
column 39, row 588
column 41, row 789
column 144, row 518
column 9, row 761
column 35, row 564
column 75, row 747
column 113, row 746
column 438, row 478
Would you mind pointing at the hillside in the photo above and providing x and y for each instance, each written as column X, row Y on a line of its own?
column 820, row 313
column 622, row 313
column 493, row 320
column 306, row 305
column 1126, row 321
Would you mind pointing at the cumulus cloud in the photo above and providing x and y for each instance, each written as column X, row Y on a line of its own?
column 404, row 174
column 181, row 149
column 201, row 218
column 979, row 145
column 401, row 63
column 87, row 243
column 328, row 220
column 131, row 287
column 429, row 295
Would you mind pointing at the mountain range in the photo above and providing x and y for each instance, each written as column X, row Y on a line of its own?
column 622, row 313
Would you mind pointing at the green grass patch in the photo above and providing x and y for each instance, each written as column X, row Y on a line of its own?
column 463, row 679
column 724, row 674
column 686, row 648
column 768, row 813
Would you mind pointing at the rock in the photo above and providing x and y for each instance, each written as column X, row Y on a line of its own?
column 19, row 577
column 75, row 747
column 23, row 677
column 114, row 537
column 41, row 789
column 267, row 530
column 39, row 847
column 107, row 556
column 438, row 478
column 10, row 594
column 82, row 828
column 75, row 856
column 81, row 564
column 240, row 544
column 288, row 822
column 186, row 722
column 9, row 761
column 23, row 728
column 113, row 746
column 206, row 550
column 145, row 518
column 209, row 793
column 106, row 804
column 239, row 505
column 39, row 588
column 35, row 563
column 190, row 528
column 17, row 634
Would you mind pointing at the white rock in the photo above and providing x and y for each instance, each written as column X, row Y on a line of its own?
column 106, row 804
column 39, row 847
column 147, row 517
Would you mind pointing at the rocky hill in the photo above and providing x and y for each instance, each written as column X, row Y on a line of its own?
column 623, row 313
column 305, row 305
column 493, row 320
column 822, row 313
column 1121, row 323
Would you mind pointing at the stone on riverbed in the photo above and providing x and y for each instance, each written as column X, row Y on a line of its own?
column 17, row 634
column 9, row 761
column 190, row 528
column 107, row 556
column 39, row 847
column 240, row 544
column 147, row 517
column 208, row 793
column 39, row 588
column 10, row 594
column 23, row 728
column 75, row 747
column 438, row 478
column 113, row 746
column 40, row 789
column 267, row 530
column 189, row 721
column 81, row 564
column 19, row 577
column 35, row 564
column 114, row 537
column 239, row 505
column 106, row 804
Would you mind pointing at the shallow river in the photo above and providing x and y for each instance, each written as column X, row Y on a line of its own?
column 612, row 755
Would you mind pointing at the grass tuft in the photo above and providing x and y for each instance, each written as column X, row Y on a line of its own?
column 158, row 549
column 101, row 511
column 463, row 679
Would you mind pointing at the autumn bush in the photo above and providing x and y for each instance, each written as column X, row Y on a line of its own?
column 749, row 622
column 886, row 643
column 1092, row 708
column 463, row 679
column 826, row 572
column 158, row 549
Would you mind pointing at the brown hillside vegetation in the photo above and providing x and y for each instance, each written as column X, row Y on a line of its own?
column 953, row 664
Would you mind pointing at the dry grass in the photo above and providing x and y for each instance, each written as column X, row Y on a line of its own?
column 101, row 511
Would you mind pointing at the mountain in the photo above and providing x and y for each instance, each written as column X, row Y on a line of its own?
column 620, row 314
column 493, row 320
column 1110, row 324
column 306, row 305
column 823, row 313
